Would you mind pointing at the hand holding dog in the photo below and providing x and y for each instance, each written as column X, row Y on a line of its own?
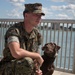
column 38, row 72
column 37, row 68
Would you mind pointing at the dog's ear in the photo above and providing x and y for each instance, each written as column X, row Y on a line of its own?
column 58, row 47
column 44, row 47
column 54, row 44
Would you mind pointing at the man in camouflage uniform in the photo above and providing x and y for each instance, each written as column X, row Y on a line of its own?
column 22, row 41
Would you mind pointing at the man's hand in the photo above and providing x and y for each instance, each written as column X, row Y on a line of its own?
column 39, row 61
column 37, row 68
column 38, row 72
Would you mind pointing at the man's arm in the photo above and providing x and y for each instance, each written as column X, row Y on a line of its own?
column 18, row 52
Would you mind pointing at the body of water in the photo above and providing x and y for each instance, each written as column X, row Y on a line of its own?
column 63, row 38
column 66, row 40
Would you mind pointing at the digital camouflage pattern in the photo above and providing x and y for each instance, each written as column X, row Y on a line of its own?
column 22, row 66
column 30, row 42
column 34, row 8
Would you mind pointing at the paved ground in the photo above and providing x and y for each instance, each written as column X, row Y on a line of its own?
column 61, row 73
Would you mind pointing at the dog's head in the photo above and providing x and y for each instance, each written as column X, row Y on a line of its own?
column 51, row 49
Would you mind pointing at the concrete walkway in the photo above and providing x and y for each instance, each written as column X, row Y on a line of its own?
column 61, row 73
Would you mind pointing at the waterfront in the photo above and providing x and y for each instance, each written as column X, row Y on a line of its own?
column 65, row 41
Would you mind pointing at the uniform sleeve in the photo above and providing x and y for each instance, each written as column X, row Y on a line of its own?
column 12, row 35
column 12, row 39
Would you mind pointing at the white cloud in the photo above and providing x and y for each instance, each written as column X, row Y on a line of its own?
column 15, row 13
column 47, row 11
column 56, row 7
column 67, row 1
column 70, row 1
column 17, row 1
column 73, row 12
column 18, row 10
column 57, row 12
column 13, row 0
column 64, row 7
column 62, row 16
column 58, row 0
column 22, row 0
column 17, row 4
column 53, row 12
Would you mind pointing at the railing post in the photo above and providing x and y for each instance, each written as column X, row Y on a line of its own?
column 74, row 56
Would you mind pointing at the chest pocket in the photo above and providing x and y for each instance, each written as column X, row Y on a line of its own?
column 34, row 45
column 31, row 44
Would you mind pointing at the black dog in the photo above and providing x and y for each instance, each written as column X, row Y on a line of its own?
column 50, row 52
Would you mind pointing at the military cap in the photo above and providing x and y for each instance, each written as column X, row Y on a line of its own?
column 34, row 8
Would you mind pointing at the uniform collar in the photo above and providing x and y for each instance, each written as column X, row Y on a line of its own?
column 30, row 35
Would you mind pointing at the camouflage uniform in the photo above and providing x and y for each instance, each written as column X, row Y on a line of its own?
column 30, row 42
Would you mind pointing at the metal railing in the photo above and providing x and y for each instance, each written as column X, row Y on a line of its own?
column 61, row 32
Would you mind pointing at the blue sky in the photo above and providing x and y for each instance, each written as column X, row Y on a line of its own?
column 53, row 9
